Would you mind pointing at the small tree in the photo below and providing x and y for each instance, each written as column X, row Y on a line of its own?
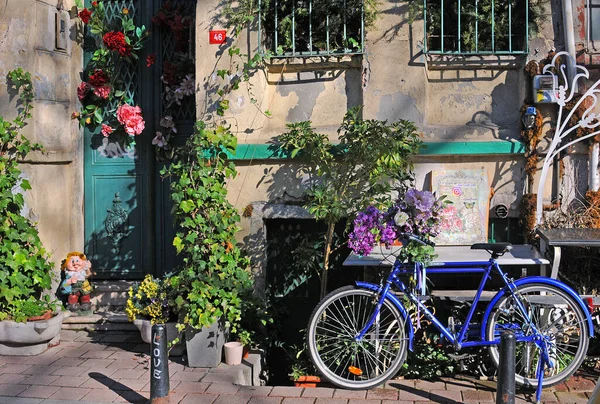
column 353, row 174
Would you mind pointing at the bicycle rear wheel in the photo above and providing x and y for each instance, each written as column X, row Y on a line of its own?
column 561, row 322
column 348, row 363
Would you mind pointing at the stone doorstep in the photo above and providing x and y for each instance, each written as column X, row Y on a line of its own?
column 98, row 321
column 245, row 374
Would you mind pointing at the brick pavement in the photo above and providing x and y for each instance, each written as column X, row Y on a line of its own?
column 113, row 367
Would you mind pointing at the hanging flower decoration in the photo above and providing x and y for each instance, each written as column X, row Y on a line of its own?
column 415, row 212
column 178, row 79
column 105, row 103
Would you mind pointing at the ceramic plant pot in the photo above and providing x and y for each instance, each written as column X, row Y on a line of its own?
column 205, row 346
column 233, row 353
column 307, row 381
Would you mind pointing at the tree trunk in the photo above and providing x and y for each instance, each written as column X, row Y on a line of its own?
column 328, row 242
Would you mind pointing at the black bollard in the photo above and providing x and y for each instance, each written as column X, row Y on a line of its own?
column 159, row 367
column 505, row 393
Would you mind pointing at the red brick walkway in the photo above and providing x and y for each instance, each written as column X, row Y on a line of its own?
column 112, row 367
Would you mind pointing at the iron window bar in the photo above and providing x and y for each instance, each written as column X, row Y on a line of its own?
column 444, row 36
column 347, row 28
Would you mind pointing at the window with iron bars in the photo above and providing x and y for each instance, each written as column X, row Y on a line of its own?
column 594, row 21
column 304, row 28
column 476, row 27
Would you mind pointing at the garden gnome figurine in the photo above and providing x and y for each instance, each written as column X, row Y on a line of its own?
column 76, row 286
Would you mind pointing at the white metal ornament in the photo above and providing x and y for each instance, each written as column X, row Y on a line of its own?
column 564, row 94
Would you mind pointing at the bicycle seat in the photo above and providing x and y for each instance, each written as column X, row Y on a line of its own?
column 493, row 248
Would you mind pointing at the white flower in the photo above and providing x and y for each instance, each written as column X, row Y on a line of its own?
column 401, row 218
column 167, row 122
column 187, row 85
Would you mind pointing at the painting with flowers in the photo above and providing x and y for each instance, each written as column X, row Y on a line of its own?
column 415, row 212
column 106, row 106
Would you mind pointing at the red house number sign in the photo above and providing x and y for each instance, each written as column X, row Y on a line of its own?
column 217, row 36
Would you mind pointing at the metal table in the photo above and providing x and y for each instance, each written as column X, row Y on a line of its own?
column 564, row 237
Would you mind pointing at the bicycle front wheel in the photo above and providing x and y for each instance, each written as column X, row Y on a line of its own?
column 559, row 320
column 341, row 358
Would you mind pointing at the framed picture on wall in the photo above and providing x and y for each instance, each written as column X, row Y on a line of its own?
column 465, row 221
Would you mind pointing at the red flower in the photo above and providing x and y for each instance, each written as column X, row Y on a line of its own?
column 94, row 4
column 99, row 78
column 85, row 15
column 150, row 60
column 116, row 41
column 102, row 92
column 131, row 119
column 106, row 130
column 82, row 90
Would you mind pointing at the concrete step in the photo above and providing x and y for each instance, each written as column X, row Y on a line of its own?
column 98, row 321
column 110, row 295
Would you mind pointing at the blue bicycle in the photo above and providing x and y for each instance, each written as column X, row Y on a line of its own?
column 358, row 336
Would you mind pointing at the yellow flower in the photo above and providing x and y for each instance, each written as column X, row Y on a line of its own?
column 125, row 10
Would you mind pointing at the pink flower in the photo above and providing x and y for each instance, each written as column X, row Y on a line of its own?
column 82, row 90
column 102, row 92
column 106, row 130
column 131, row 119
column 159, row 140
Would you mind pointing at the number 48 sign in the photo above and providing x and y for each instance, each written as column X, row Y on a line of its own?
column 217, row 36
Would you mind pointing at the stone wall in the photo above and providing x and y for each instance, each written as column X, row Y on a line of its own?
column 28, row 40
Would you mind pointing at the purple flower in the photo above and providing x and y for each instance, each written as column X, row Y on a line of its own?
column 421, row 200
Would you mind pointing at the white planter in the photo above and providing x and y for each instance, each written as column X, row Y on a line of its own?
column 31, row 338
column 145, row 327
column 233, row 353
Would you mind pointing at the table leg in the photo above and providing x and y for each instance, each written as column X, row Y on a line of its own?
column 555, row 262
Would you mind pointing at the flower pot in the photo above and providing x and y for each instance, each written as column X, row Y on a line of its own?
column 46, row 316
column 307, row 381
column 205, row 346
column 31, row 338
column 145, row 327
column 233, row 353
column 246, row 352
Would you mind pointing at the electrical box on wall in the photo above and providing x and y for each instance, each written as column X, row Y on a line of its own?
column 61, row 31
column 543, row 89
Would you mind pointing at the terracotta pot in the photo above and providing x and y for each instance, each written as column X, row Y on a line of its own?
column 46, row 316
column 307, row 381
column 246, row 352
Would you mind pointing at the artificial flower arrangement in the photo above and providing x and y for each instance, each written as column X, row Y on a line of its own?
column 151, row 300
column 105, row 103
column 178, row 80
column 414, row 212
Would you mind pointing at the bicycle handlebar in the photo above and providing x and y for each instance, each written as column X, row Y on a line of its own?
column 418, row 239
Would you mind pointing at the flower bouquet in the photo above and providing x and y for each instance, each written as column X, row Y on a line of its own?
column 414, row 212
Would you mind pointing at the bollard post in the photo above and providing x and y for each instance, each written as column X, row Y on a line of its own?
column 505, row 392
column 159, row 367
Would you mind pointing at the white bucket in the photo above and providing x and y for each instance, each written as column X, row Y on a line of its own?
column 233, row 353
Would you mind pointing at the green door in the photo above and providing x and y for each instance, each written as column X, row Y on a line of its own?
column 128, row 227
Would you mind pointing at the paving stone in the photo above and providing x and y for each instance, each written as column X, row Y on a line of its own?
column 198, row 398
column 267, row 400
column 128, row 384
column 40, row 370
column 17, row 359
column 191, row 387
column 397, row 402
column 186, row 376
column 40, row 380
column 132, row 397
column 99, row 383
column 284, row 391
column 457, row 384
column 399, row 383
column 382, row 394
column 300, row 400
column 440, row 396
column 328, row 400
column 429, row 385
column 355, row 401
column 68, row 335
column 172, row 384
column 254, row 391
column 92, row 354
column 69, row 362
column 37, row 391
column 470, row 396
column 571, row 398
column 410, row 395
column 560, row 387
column 127, row 374
column 318, row 392
column 10, row 378
column 580, row 384
column 15, row 369
column 69, row 381
column 96, row 364
column 100, row 395
column 70, row 371
column 123, row 364
column 175, row 398
column 232, row 400
column 70, row 393
column 41, row 360
column 339, row 393
column 120, row 338
column 222, row 388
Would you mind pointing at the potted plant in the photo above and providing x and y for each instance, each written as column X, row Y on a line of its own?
column 215, row 274
column 245, row 338
column 303, row 372
column 151, row 302
column 25, row 269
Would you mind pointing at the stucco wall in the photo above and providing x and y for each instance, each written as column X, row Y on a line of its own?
column 453, row 99
column 27, row 40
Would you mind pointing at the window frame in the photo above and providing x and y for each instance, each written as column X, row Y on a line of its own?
column 328, row 52
column 477, row 52
column 592, row 43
